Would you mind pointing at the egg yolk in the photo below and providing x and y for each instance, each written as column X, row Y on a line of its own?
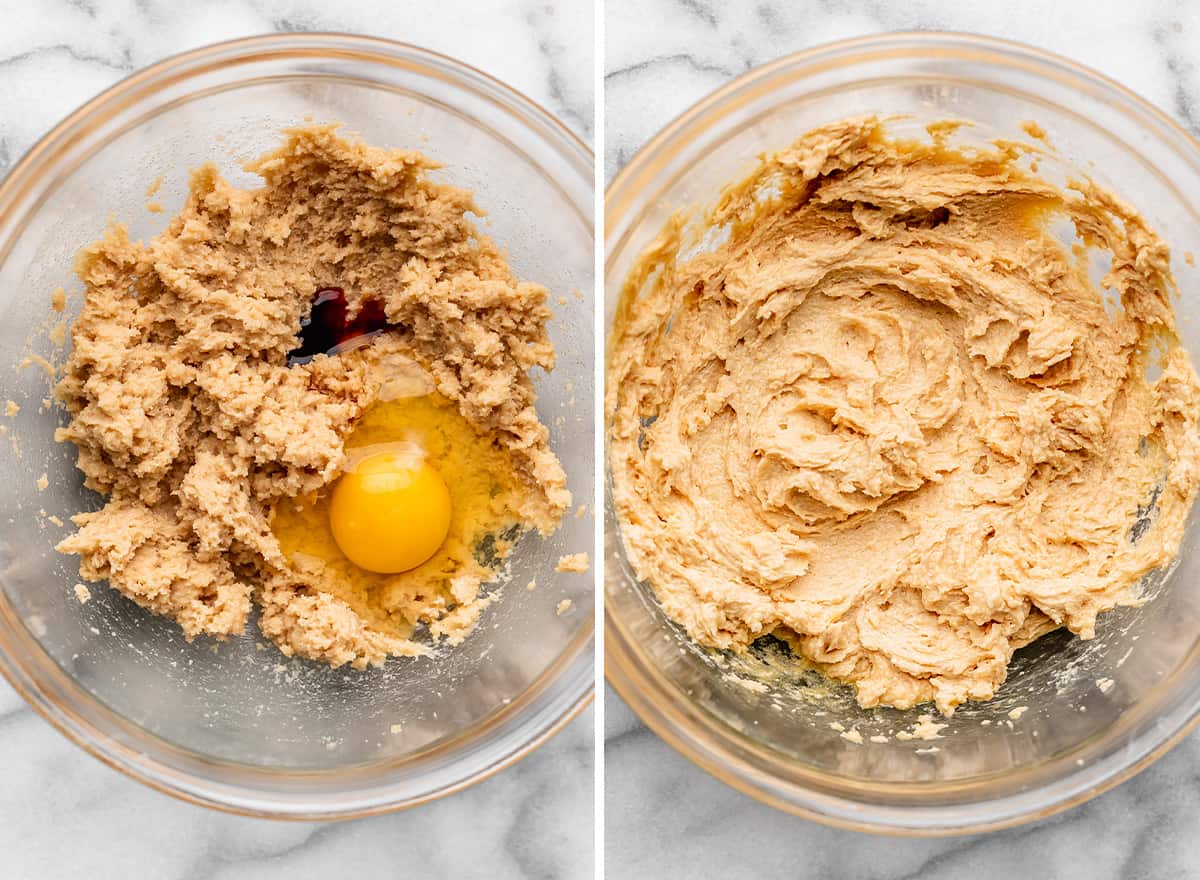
column 390, row 513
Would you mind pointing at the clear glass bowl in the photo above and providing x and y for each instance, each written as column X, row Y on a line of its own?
column 236, row 726
column 1096, row 711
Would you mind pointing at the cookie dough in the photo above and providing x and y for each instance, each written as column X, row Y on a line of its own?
column 188, row 417
column 881, row 412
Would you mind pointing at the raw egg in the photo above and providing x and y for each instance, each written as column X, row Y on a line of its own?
column 390, row 511
column 441, row 452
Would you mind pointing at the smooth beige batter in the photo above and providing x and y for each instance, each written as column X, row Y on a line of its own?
column 888, row 419
column 187, row 417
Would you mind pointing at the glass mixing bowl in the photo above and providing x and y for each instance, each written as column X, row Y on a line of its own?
column 234, row 725
column 1075, row 717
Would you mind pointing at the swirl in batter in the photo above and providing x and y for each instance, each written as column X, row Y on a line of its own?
column 887, row 416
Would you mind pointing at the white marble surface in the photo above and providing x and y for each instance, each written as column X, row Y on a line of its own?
column 660, row 57
column 662, row 810
column 65, row 815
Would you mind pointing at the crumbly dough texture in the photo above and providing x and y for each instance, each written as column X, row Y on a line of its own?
column 187, row 416
column 885, row 415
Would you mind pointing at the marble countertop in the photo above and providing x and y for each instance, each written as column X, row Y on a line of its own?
column 661, row 810
column 65, row 815
column 661, row 57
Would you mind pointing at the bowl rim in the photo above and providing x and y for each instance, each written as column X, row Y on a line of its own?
column 137, row 765
column 645, row 689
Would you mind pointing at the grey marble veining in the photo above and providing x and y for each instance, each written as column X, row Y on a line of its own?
column 64, row 815
column 55, row 54
column 662, row 810
column 661, row 56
